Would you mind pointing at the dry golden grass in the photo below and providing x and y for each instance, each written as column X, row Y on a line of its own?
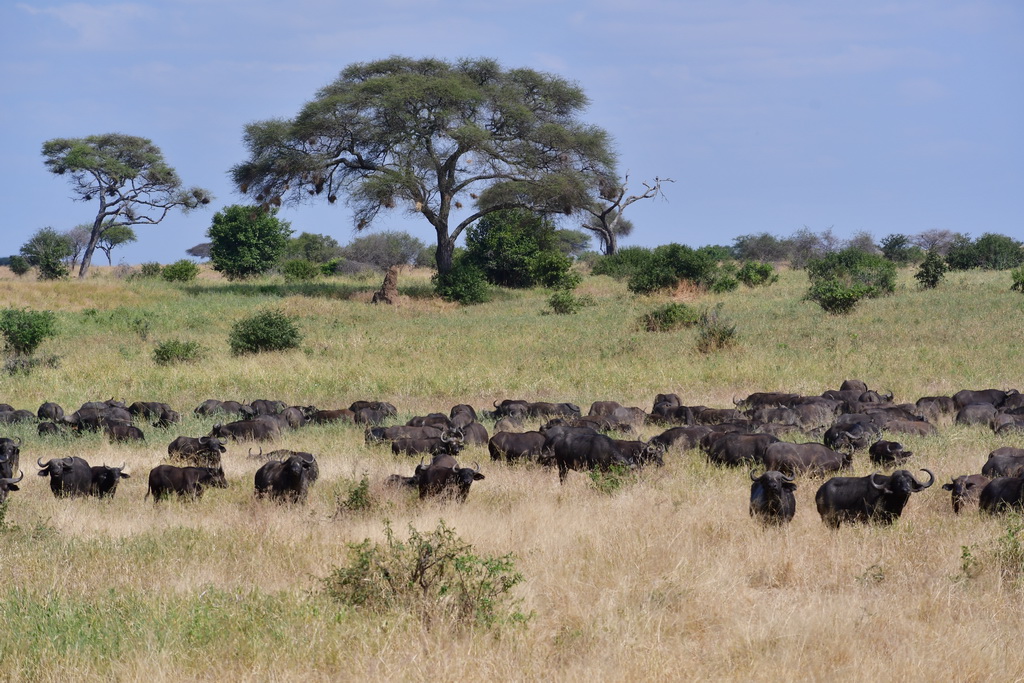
column 665, row 579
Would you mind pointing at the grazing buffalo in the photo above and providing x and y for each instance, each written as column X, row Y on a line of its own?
column 1002, row 494
column 372, row 412
column 264, row 407
column 161, row 414
column 257, row 429
column 798, row 458
column 120, row 431
column 994, row 397
column 69, row 477
column 212, row 406
column 474, row 434
column 888, row 453
column 1004, row 462
column 325, row 416
column 50, row 411
column 55, row 429
column 975, row 414
column 450, row 442
column 853, row 385
column 851, row 436
column 395, row 432
column 514, row 446
column 875, row 498
column 641, row 453
column 603, row 407
column 682, row 438
column 771, row 498
column 735, row 449
column 8, row 484
column 912, row 427
column 581, row 448
column 443, row 477
column 187, row 482
column 204, row 451
column 966, row 490
column 935, row 408
column 105, row 479
column 15, row 416
column 287, row 480
column 439, row 420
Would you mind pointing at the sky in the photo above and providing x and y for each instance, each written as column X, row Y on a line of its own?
column 885, row 116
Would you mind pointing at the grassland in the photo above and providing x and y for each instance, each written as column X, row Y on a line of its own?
column 665, row 579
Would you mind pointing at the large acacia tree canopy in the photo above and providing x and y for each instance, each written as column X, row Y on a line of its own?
column 421, row 135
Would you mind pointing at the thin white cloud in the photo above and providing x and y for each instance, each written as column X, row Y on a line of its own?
column 97, row 26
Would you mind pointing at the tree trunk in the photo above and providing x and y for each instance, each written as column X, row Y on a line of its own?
column 611, row 243
column 94, row 238
column 444, row 253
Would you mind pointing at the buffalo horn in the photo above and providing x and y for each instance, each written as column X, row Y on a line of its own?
column 476, row 467
column 880, row 487
column 40, row 464
column 736, row 402
column 752, row 477
column 931, row 479
column 787, row 477
column 12, row 480
column 444, row 436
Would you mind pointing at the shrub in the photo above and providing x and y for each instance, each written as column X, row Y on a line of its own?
column 435, row 575
column 176, row 351
column 611, row 480
column 898, row 249
column 23, row 365
column 25, row 330
column 623, row 263
column 246, row 241
column 385, row 249
column 1017, row 275
column 669, row 317
column 180, row 271
column 715, row 331
column 313, row 247
column 932, row 270
column 265, row 331
column 553, row 270
column 998, row 252
column 564, row 302
column 724, row 283
column 961, row 253
column 46, row 250
column 300, row 270
column 872, row 274
column 19, row 265
column 464, row 283
column 835, row 297
column 150, row 270
column 757, row 274
column 652, row 279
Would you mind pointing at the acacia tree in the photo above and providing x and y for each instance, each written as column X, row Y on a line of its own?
column 424, row 136
column 126, row 175
column 113, row 237
column 604, row 217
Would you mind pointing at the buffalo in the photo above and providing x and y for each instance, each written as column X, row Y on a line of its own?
column 105, row 479
column 256, row 429
column 995, row 397
column 450, row 442
column 8, row 484
column 50, row 411
column 288, row 479
column 10, row 455
column 772, row 501
column 120, row 431
column 965, row 489
column 1002, row 494
column 69, row 477
column 187, row 482
column 581, row 448
column 443, row 477
column 212, row 406
column 326, row 416
column 514, row 446
column 735, row 449
column 682, row 438
column 888, row 453
column 204, row 451
column 798, row 458
column 875, row 498
column 1004, row 462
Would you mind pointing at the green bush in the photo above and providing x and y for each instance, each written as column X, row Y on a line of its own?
column 724, row 283
column 715, row 331
column 246, row 241
column 872, row 274
column 624, row 263
column 19, row 265
column 46, row 250
column 653, row 279
column 464, row 283
column 1017, row 275
column 150, row 269
column 835, row 297
column 564, row 302
column 180, row 271
column 435, row 575
column 669, row 317
column 961, row 254
column 998, row 252
column 553, row 270
column 932, row 270
column 757, row 274
column 25, row 330
column 265, row 331
column 176, row 351
column 300, row 270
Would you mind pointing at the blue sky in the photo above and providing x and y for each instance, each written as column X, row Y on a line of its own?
column 879, row 115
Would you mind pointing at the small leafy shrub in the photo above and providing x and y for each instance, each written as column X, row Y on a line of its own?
column 19, row 265
column 564, row 302
column 434, row 575
column 24, row 330
column 1010, row 550
column 176, row 351
column 553, row 270
column 656, row 278
column 612, row 479
column 150, row 270
column 300, row 270
column 836, row 298
column 715, row 331
column 872, row 274
column 669, row 317
column 1017, row 275
column 623, row 263
column 724, row 283
column 933, row 269
column 265, row 331
column 757, row 274
column 464, row 284
column 180, row 271
column 358, row 498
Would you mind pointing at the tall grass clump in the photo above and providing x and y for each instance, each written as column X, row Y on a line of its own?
column 265, row 331
column 434, row 575
column 175, row 351
column 714, row 331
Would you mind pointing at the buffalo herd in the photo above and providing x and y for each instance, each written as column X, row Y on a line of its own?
column 781, row 435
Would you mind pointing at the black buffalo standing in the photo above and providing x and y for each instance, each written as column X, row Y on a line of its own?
column 187, row 482
column 69, row 477
column 875, row 498
column 772, row 501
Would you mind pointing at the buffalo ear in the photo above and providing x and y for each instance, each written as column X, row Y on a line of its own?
column 947, row 487
column 789, row 486
column 13, row 487
column 125, row 475
column 477, row 476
